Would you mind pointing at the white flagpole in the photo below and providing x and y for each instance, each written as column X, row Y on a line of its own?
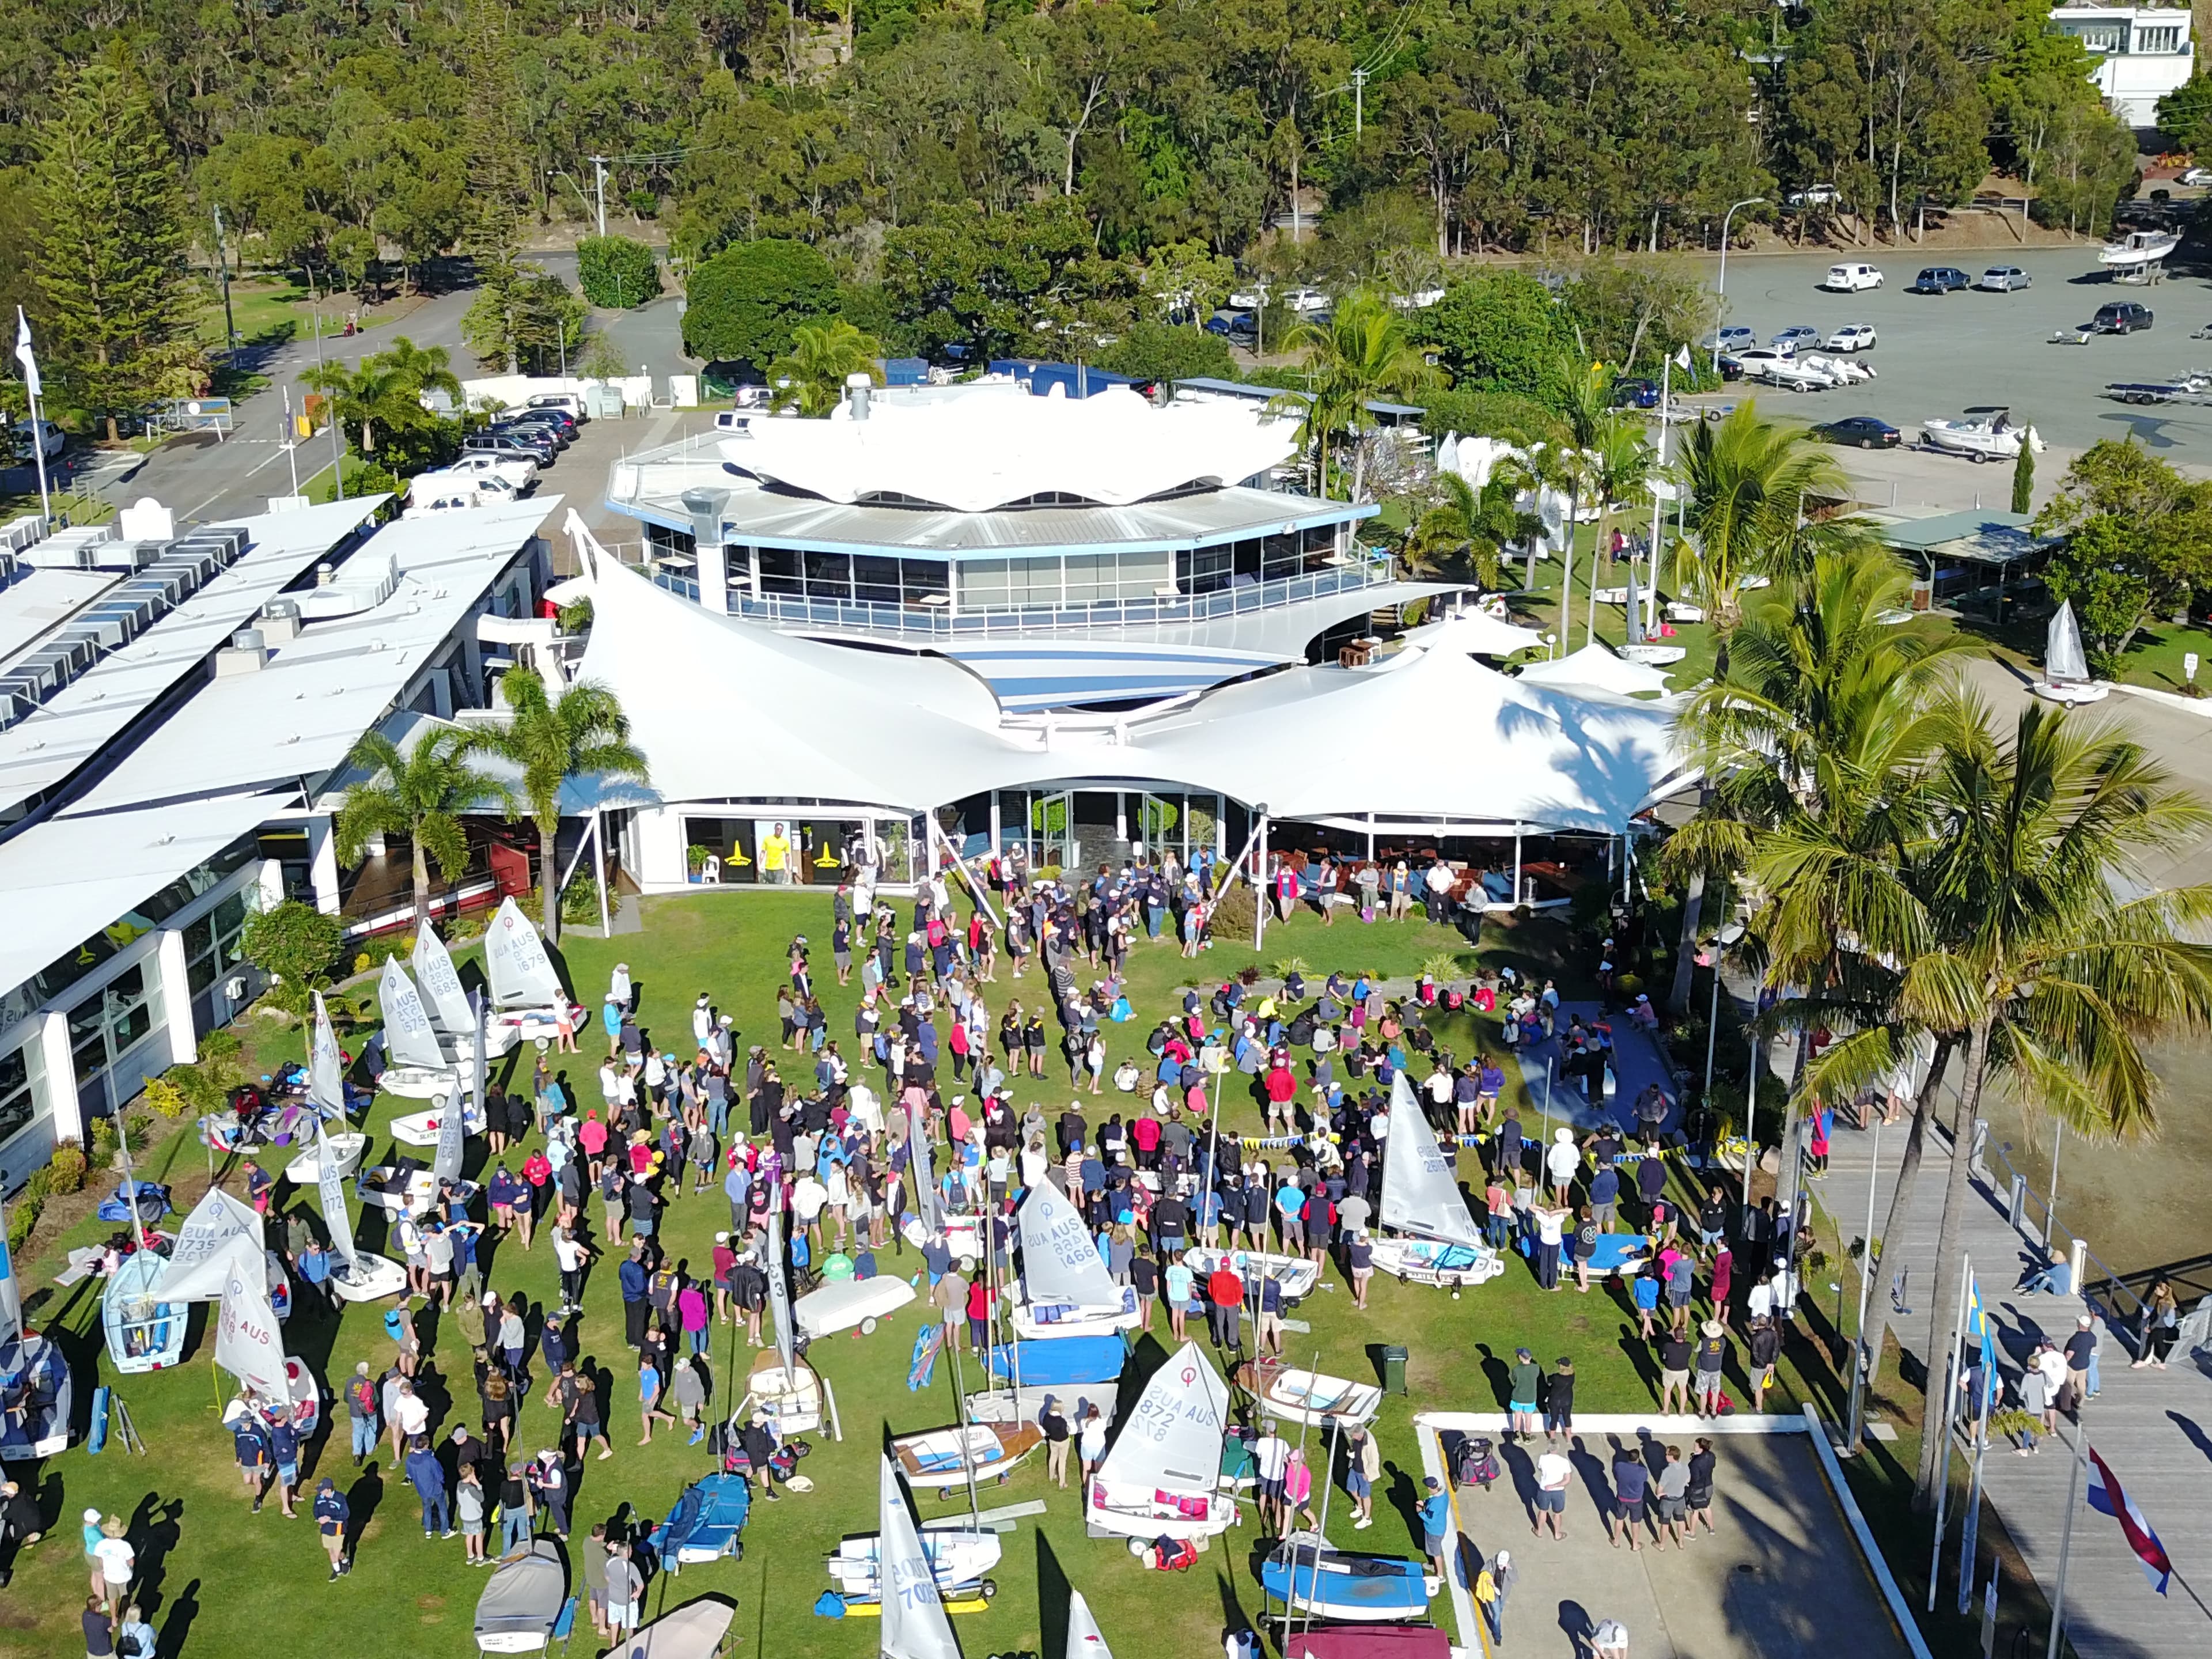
column 1942, row 1426
column 31, row 385
column 2065, row 1545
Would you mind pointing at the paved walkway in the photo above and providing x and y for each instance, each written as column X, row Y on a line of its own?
column 1637, row 1061
column 2153, row 1428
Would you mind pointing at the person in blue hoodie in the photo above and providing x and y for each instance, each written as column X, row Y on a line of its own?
column 427, row 1476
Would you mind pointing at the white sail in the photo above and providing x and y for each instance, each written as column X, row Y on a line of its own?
column 452, row 1121
column 442, row 994
column 408, row 1038
column 1635, row 609
column 326, row 1070
column 1083, row 1640
column 2063, row 657
column 1173, row 1438
column 779, row 1291
column 1060, row 1259
column 248, row 1343
column 522, row 973
column 914, row 1622
column 329, row 1195
column 1421, row 1189
column 477, row 1079
column 196, row 1272
column 925, row 1176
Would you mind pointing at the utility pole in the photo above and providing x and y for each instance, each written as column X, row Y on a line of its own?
column 1359, row 101
column 331, row 414
column 222, row 264
column 599, row 188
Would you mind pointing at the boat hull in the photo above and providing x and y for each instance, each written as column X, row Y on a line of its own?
column 1139, row 1514
column 347, row 1150
column 149, row 1338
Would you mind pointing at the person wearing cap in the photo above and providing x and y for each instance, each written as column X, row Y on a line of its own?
column 1525, row 1383
column 1492, row 1586
column 92, row 1537
column 1435, row 1521
column 2080, row 1359
column 1713, row 1356
column 331, row 1514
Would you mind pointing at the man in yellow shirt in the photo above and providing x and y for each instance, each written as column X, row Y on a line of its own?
column 775, row 856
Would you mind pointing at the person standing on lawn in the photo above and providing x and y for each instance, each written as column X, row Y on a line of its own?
column 1362, row 1468
column 1712, row 1356
column 331, row 1514
column 1765, row 1350
column 250, row 1439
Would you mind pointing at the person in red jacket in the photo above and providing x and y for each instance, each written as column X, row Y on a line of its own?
column 1281, row 1085
column 1224, row 1306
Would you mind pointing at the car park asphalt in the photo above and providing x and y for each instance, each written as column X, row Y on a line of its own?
column 1939, row 353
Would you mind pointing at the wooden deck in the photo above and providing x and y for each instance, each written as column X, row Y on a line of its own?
column 2153, row 1428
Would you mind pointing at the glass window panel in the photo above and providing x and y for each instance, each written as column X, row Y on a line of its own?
column 1091, row 577
column 983, row 584
column 1320, row 539
column 875, row 579
column 1139, row 574
column 780, row 572
column 1033, row 581
column 829, row 576
column 924, row 579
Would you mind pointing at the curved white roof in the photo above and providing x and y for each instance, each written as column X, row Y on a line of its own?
column 1595, row 668
column 995, row 443
column 723, row 708
column 1477, row 632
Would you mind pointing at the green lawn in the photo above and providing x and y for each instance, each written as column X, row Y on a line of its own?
column 219, row 1581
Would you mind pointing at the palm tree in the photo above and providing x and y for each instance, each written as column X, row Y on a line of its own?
column 1621, row 460
column 427, row 368
column 2042, row 973
column 387, row 386
column 582, row 732
column 1479, row 525
column 1583, row 395
column 1748, row 479
column 419, row 793
column 1363, row 352
column 812, row 374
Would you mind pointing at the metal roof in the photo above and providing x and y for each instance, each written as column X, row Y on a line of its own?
column 300, row 715
column 1984, row 536
column 69, row 879
column 82, row 718
column 39, row 600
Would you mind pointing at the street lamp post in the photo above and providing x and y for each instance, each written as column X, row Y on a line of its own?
column 1721, row 292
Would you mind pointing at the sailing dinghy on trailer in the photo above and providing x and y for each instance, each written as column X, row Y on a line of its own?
column 1064, row 1290
column 1434, row 1239
column 527, row 996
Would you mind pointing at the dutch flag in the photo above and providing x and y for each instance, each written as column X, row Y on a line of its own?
column 2106, row 1498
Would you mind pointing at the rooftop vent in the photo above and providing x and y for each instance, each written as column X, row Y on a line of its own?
column 246, row 653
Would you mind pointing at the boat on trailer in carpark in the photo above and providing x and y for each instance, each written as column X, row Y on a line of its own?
column 1986, row 432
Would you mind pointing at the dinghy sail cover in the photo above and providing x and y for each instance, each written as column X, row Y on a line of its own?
column 1421, row 1189
column 779, row 1293
column 515, row 962
column 1060, row 1260
column 408, row 1037
column 448, row 1004
column 914, row 1622
column 197, row 1270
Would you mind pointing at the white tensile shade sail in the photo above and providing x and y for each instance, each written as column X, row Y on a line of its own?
column 1594, row 668
column 1476, row 632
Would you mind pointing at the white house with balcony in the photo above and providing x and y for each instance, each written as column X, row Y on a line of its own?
column 2142, row 53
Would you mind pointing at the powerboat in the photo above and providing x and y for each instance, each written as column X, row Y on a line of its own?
column 523, row 1600
column 142, row 1334
column 1295, row 1274
column 2138, row 248
column 1843, row 371
column 1983, row 432
column 959, row 1560
column 945, row 1457
column 1309, row 1575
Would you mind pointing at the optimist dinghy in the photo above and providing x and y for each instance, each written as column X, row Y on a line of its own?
column 958, row 1560
column 1161, row 1475
column 1435, row 1240
column 1339, row 1584
column 942, row 1457
column 1302, row 1396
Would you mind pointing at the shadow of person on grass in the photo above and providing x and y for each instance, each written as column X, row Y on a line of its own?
column 1405, row 1496
column 1497, row 1374
column 362, row 1497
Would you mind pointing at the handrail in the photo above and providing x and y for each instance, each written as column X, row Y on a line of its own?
column 2107, row 1275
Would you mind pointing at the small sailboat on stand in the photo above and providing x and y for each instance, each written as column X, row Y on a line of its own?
column 1161, row 1475
column 1065, row 1289
column 1432, row 1238
column 526, row 995
column 2065, row 665
column 143, row 1334
column 782, row 1386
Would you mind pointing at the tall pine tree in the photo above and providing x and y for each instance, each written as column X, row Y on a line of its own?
column 499, row 182
column 112, row 244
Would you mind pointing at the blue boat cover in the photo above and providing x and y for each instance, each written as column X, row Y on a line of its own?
column 1063, row 1361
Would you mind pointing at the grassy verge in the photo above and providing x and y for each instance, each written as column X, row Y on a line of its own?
column 208, row 1568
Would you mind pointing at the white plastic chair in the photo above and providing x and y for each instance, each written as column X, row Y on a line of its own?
column 711, row 871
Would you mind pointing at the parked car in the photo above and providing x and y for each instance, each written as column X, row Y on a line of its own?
column 1731, row 367
column 1860, row 431
column 1732, row 337
column 1941, row 279
column 1232, row 324
column 1797, row 334
column 1638, row 394
column 2003, row 279
column 51, row 439
column 1248, row 299
column 560, row 428
column 1815, row 196
column 503, row 447
column 1850, row 278
column 1851, row 337
column 2120, row 317
column 2196, row 177
column 517, row 475
column 570, row 403
column 1306, row 301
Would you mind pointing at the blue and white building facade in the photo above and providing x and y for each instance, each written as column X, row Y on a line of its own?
column 1071, row 551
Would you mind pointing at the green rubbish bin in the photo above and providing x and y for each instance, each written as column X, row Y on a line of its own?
column 1394, row 1369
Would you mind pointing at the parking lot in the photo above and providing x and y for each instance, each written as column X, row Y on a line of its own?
column 1938, row 354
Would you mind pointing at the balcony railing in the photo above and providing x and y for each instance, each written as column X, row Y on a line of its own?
column 927, row 622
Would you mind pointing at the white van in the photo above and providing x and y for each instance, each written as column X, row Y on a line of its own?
column 1850, row 278
column 569, row 403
